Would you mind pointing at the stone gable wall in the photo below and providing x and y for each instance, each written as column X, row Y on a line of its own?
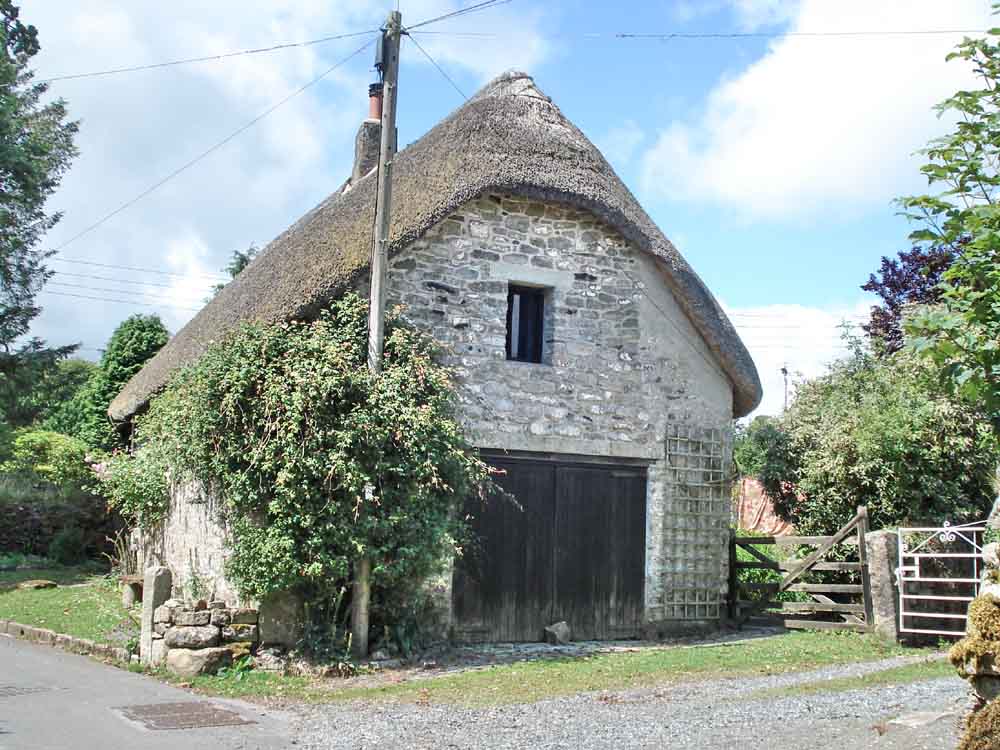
column 623, row 369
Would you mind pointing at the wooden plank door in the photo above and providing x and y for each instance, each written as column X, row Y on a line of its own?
column 600, row 551
column 503, row 585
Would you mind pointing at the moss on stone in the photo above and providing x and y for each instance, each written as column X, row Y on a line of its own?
column 984, row 618
column 983, row 729
column 974, row 655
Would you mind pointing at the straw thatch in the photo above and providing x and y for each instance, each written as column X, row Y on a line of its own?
column 509, row 138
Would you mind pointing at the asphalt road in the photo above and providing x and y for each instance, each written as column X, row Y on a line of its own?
column 52, row 700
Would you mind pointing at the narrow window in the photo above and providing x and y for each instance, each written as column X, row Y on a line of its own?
column 525, row 323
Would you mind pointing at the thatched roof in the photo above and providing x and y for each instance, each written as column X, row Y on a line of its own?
column 510, row 138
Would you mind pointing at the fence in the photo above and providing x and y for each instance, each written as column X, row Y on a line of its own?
column 824, row 605
column 938, row 575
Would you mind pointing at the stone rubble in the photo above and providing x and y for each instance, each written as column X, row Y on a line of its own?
column 200, row 638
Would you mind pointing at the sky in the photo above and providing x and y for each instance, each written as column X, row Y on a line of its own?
column 772, row 161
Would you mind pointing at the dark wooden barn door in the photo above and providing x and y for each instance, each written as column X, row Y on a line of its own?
column 503, row 589
column 600, row 551
column 573, row 550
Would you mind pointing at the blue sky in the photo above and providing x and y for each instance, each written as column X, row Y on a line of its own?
column 771, row 162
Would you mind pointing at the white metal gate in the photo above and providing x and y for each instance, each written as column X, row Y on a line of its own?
column 938, row 575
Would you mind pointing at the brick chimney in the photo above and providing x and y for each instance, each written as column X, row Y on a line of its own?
column 366, row 144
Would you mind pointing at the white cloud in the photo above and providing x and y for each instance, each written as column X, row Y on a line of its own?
column 819, row 124
column 748, row 14
column 620, row 143
column 800, row 338
column 138, row 127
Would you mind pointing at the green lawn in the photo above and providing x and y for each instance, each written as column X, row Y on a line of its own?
column 536, row 680
column 84, row 605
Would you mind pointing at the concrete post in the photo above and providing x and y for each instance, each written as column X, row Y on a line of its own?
column 156, row 589
column 883, row 559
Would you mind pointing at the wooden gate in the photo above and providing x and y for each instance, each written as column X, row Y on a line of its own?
column 573, row 549
column 817, row 604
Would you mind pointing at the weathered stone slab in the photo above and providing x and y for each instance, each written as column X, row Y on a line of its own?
column 163, row 614
column 245, row 616
column 883, row 559
column 131, row 593
column 191, row 662
column 558, row 633
column 36, row 584
column 155, row 592
column 193, row 637
column 159, row 653
column 281, row 619
column 236, row 633
column 991, row 555
column 221, row 617
column 193, row 619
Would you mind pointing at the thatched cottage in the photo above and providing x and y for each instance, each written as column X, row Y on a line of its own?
column 594, row 366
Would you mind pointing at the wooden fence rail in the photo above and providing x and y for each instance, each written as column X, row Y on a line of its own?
column 850, row 607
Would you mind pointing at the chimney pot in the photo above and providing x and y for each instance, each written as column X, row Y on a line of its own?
column 375, row 101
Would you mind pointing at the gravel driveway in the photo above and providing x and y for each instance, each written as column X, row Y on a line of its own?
column 707, row 714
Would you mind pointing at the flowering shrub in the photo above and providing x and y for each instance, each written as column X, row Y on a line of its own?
column 317, row 462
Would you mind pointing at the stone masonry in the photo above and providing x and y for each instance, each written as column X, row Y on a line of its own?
column 624, row 375
column 622, row 369
column 201, row 637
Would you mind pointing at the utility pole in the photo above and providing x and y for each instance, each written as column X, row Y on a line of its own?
column 387, row 58
column 784, row 374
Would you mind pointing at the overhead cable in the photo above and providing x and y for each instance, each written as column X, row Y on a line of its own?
column 212, row 149
column 440, row 69
column 206, row 58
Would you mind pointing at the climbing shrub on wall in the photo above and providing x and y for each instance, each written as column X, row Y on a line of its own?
column 317, row 462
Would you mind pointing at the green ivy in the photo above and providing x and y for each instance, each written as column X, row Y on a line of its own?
column 317, row 462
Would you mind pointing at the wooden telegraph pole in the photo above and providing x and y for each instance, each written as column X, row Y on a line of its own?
column 376, row 314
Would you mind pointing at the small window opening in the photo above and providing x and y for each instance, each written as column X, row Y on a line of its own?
column 525, row 323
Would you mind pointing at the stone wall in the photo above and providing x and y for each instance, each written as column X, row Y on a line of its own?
column 201, row 637
column 623, row 372
column 192, row 543
column 624, row 375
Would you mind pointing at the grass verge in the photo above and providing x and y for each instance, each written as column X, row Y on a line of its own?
column 84, row 605
column 529, row 681
column 925, row 670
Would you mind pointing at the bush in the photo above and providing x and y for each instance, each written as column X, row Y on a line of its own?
column 317, row 462
column 49, row 457
column 68, row 546
column 879, row 432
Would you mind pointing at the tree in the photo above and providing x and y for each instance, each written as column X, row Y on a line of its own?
column 961, row 335
column 36, row 148
column 912, row 279
column 881, row 432
column 239, row 260
column 44, row 398
column 85, row 416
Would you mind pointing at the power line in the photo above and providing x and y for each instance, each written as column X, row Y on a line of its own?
column 146, row 295
column 460, row 12
column 670, row 35
column 440, row 69
column 122, row 301
column 215, row 147
column 219, row 277
column 206, row 58
column 111, row 278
